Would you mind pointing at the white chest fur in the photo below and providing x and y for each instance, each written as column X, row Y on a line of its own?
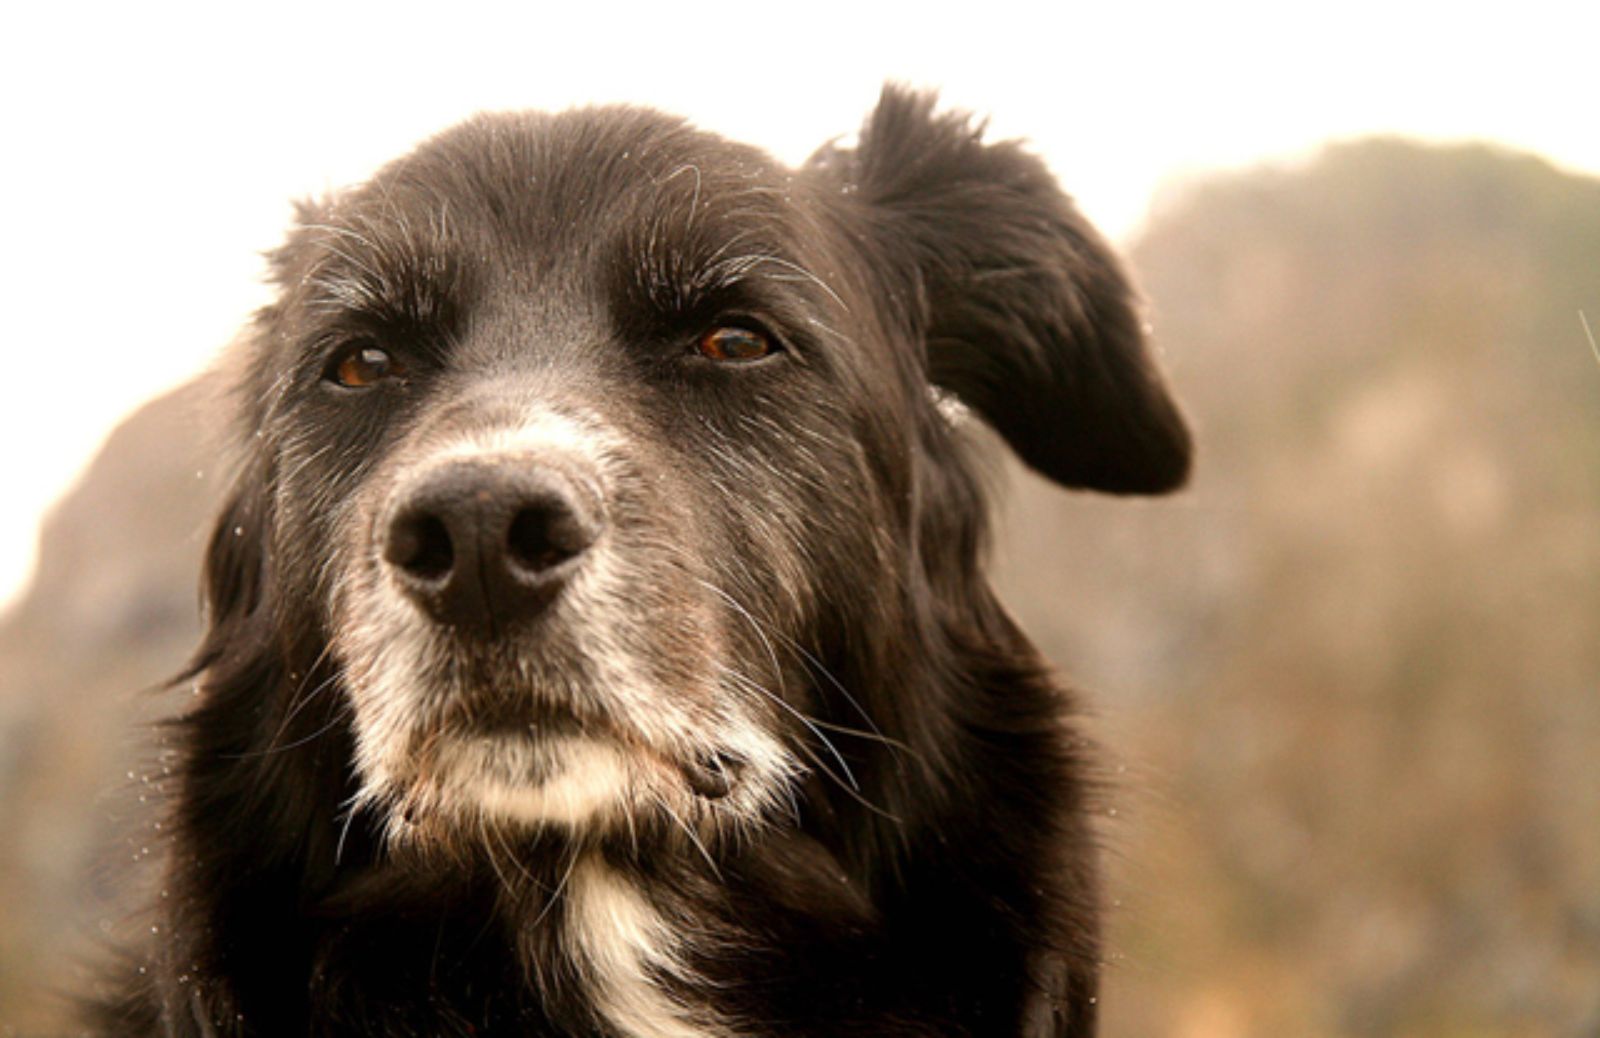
column 624, row 944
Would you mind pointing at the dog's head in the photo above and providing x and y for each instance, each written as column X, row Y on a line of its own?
column 602, row 466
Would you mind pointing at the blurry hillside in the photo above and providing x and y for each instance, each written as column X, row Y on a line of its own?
column 1354, row 674
column 1349, row 682
column 111, row 614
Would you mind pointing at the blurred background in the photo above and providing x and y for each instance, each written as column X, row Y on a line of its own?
column 1348, row 683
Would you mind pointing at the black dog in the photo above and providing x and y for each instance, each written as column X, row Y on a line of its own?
column 599, row 642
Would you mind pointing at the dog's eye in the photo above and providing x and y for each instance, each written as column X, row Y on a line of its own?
column 732, row 343
column 362, row 364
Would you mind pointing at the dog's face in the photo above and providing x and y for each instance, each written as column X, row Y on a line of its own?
column 585, row 445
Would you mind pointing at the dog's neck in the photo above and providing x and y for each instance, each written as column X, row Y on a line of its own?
column 645, row 934
column 619, row 940
column 590, row 932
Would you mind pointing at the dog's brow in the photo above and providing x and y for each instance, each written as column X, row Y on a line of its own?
column 693, row 266
column 382, row 278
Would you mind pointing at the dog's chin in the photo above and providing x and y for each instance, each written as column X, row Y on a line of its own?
column 578, row 782
column 575, row 782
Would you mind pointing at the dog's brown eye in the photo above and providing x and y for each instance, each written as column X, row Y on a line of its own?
column 732, row 343
column 364, row 365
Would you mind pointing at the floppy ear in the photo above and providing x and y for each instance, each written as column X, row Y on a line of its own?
column 232, row 583
column 1027, row 316
column 233, row 562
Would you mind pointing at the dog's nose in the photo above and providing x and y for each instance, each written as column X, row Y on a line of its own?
column 481, row 545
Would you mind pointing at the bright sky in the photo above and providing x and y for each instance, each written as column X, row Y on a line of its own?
column 151, row 150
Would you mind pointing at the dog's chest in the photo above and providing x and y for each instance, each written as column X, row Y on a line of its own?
column 628, row 953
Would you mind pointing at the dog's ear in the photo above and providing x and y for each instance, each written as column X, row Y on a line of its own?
column 232, row 576
column 233, row 572
column 1027, row 316
column 233, row 581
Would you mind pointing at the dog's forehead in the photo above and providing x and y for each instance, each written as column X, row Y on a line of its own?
column 551, row 181
column 572, row 210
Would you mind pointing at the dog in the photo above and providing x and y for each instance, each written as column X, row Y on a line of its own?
column 598, row 636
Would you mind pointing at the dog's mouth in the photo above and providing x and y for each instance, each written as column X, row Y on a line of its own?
column 712, row 776
column 539, row 741
column 603, row 711
column 540, row 723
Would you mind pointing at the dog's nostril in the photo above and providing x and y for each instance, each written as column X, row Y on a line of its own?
column 479, row 545
column 419, row 543
column 545, row 535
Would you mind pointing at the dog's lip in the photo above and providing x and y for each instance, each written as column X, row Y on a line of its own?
column 713, row 776
column 709, row 774
column 540, row 723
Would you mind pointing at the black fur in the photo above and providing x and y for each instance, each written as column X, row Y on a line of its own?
column 936, row 875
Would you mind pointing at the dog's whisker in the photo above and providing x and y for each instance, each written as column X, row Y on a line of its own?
column 499, row 835
column 334, row 722
column 875, row 734
column 491, row 853
column 802, row 274
column 677, row 820
column 816, row 665
column 298, row 703
column 861, row 733
column 714, row 261
column 694, row 203
column 299, row 697
column 346, row 232
column 755, row 625
column 812, row 663
column 361, row 265
column 745, row 682
column 848, row 789
column 555, row 897
column 347, row 808
column 633, row 832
